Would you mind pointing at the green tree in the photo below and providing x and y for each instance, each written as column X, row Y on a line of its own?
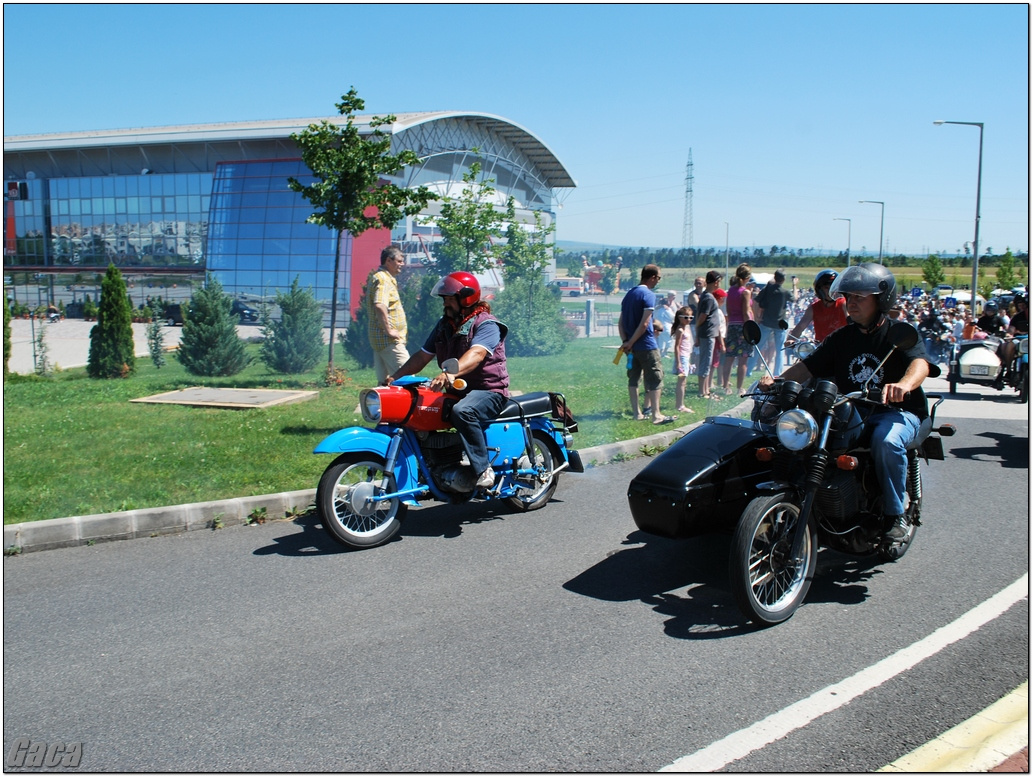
column 1006, row 271
column 112, row 351
column 470, row 226
column 532, row 314
column 209, row 345
column 348, row 189
column 932, row 271
column 293, row 344
column 156, row 342
column 529, row 309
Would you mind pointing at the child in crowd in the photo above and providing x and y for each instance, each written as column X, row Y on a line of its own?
column 681, row 333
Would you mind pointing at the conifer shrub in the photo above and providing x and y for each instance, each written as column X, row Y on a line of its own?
column 112, row 351
column 210, row 346
column 294, row 344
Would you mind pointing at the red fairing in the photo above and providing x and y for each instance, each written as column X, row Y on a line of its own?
column 428, row 414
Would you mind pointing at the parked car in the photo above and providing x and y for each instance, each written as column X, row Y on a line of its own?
column 246, row 313
column 174, row 315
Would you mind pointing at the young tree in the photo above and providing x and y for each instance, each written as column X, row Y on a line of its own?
column 932, row 271
column 1006, row 271
column 112, row 352
column 348, row 190
column 293, row 344
column 468, row 225
column 156, row 342
column 209, row 345
column 536, row 327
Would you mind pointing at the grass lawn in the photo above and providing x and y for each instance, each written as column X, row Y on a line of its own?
column 76, row 446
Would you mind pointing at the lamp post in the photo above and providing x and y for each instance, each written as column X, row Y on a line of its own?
column 726, row 252
column 882, row 222
column 979, row 190
column 849, row 224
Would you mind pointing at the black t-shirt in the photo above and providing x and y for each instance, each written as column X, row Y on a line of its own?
column 772, row 301
column 1021, row 322
column 848, row 357
column 991, row 324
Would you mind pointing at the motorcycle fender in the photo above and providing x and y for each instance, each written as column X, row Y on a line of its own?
column 703, row 482
column 355, row 439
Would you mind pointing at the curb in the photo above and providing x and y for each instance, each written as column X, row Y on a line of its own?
column 53, row 533
column 984, row 741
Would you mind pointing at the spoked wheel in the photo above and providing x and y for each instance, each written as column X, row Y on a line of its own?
column 767, row 582
column 536, row 490
column 345, row 505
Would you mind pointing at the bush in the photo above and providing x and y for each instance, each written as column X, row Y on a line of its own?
column 209, row 345
column 7, row 339
column 112, row 351
column 294, row 344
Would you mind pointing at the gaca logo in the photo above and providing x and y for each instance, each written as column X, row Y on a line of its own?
column 33, row 755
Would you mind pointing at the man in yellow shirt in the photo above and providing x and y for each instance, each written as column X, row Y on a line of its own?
column 387, row 326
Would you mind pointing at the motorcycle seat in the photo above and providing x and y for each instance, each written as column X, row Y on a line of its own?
column 537, row 403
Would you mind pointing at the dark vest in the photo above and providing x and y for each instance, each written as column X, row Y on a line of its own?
column 491, row 373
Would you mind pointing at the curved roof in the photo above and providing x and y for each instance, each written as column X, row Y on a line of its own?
column 527, row 142
column 555, row 173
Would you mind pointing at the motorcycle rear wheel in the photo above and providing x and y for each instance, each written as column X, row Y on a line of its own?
column 769, row 586
column 342, row 501
column 539, row 489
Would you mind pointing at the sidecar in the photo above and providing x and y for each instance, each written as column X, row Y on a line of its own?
column 974, row 361
column 702, row 483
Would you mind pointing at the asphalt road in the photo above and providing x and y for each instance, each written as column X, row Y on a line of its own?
column 481, row 640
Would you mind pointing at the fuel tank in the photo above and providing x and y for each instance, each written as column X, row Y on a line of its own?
column 703, row 482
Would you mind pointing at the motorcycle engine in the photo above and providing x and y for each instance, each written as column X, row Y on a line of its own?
column 446, row 459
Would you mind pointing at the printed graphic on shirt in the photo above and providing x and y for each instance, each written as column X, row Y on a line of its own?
column 862, row 367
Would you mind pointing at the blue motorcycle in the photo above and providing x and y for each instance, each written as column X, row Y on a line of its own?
column 413, row 453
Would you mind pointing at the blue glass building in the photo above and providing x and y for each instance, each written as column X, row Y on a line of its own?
column 170, row 201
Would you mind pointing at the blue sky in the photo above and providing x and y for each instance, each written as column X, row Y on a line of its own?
column 793, row 113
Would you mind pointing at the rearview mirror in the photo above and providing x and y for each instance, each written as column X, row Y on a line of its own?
column 450, row 366
column 903, row 336
column 751, row 332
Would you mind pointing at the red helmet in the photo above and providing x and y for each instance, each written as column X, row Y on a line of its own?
column 462, row 285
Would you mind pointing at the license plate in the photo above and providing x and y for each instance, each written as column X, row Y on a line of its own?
column 979, row 369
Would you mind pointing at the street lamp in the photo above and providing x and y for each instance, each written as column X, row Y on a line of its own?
column 848, row 228
column 726, row 251
column 882, row 222
column 979, row 190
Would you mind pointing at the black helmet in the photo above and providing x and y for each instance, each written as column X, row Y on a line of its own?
column 990, row 308
column 867, row 278
column 823, row 278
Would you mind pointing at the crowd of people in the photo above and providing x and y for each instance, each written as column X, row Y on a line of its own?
column 704, row 337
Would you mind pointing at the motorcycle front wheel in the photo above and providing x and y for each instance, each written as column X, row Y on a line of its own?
column 344, row 504
column 767, row 583
column 536, row 490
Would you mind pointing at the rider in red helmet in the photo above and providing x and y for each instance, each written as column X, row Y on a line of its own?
column 470, row 333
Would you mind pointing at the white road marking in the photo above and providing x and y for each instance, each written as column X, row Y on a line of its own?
column 780, row 724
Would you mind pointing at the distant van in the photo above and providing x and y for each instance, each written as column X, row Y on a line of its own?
column 572, row 287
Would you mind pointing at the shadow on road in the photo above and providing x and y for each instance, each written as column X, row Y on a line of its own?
column 656, row 568
column 444, row 521
column 1010, row 450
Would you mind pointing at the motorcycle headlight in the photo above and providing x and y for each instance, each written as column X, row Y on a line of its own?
column 369, row 402
column 796, row 429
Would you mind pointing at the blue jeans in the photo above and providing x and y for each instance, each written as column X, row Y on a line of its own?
column 468, row 414
column 779, row 335
column 892, row 431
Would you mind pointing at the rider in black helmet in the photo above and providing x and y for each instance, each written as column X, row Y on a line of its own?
column 849, row 357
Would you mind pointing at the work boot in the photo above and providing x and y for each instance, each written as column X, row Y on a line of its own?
column 486, row 479
column 897, row 528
